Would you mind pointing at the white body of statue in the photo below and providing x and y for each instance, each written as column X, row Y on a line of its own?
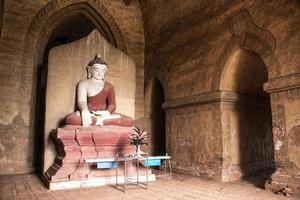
column 96, row 99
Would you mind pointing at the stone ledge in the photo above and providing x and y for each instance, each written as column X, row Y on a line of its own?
column 283, row 83
column 213, row 97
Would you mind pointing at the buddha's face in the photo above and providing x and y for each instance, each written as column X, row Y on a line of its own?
column 98, row 71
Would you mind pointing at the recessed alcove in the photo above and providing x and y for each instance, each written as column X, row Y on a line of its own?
column 155, row 115
column 247, row 116
column 70, row 29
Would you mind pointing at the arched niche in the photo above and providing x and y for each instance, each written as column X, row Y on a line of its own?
column 44, row 33
column 244, row 73
column 67, row 66
column 70, row 29
column 155, row 115
column 244, row 33
column 246, row 118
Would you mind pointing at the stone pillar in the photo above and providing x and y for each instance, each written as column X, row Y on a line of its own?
column 285, row 102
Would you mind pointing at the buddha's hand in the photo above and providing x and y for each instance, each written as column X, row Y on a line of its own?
column 86, row 118
column 101, row 113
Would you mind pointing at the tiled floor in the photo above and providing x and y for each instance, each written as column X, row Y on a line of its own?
column 178, row 188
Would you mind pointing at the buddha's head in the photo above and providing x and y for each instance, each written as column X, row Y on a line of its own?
column 96, row 69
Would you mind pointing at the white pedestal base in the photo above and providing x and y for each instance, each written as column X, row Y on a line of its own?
column 93, row 182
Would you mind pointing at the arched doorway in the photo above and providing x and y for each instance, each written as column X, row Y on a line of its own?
column 71, row 28
column 247, row 116
column 156, row 117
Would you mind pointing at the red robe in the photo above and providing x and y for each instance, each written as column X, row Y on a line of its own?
column 104, row 100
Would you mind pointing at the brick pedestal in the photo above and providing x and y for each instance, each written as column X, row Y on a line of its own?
column 74, row 144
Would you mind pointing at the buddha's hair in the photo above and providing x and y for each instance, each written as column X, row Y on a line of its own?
column 97, row 60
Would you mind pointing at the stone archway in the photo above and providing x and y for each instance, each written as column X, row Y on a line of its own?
column 70, row 29
column 243, row 94
column 67, row 66
column 247, row 118
column 246, row 34
column 155, row 116
column 43, row 25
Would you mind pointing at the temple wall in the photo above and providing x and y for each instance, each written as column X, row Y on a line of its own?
column 285, row 98
column 22, row 44
column 193, row 140
column 187, row 46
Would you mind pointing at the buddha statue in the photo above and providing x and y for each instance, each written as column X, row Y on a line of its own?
column 96, row 100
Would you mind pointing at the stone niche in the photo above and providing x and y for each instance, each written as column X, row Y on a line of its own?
column 246, row 117
column 67, row 65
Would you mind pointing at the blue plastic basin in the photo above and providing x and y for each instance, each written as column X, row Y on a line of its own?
column 106, row 165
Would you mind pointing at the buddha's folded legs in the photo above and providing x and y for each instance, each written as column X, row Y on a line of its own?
column 75, row 119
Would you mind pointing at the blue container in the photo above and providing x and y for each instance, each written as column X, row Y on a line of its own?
column 152, row 162
column 106, row 165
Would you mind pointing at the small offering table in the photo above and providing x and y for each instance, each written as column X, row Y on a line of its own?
column 132, row 163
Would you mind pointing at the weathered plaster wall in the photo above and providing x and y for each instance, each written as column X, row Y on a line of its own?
column 22, row 45
column 194, row 141
column 286, row 106
column 187, row 46
column 285, row 101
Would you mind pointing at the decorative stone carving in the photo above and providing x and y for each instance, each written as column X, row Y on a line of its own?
column 247, row 33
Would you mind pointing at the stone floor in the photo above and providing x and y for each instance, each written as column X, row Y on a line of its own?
column 179, row 188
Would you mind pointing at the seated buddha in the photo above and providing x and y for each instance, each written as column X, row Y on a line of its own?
column 96, row 100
